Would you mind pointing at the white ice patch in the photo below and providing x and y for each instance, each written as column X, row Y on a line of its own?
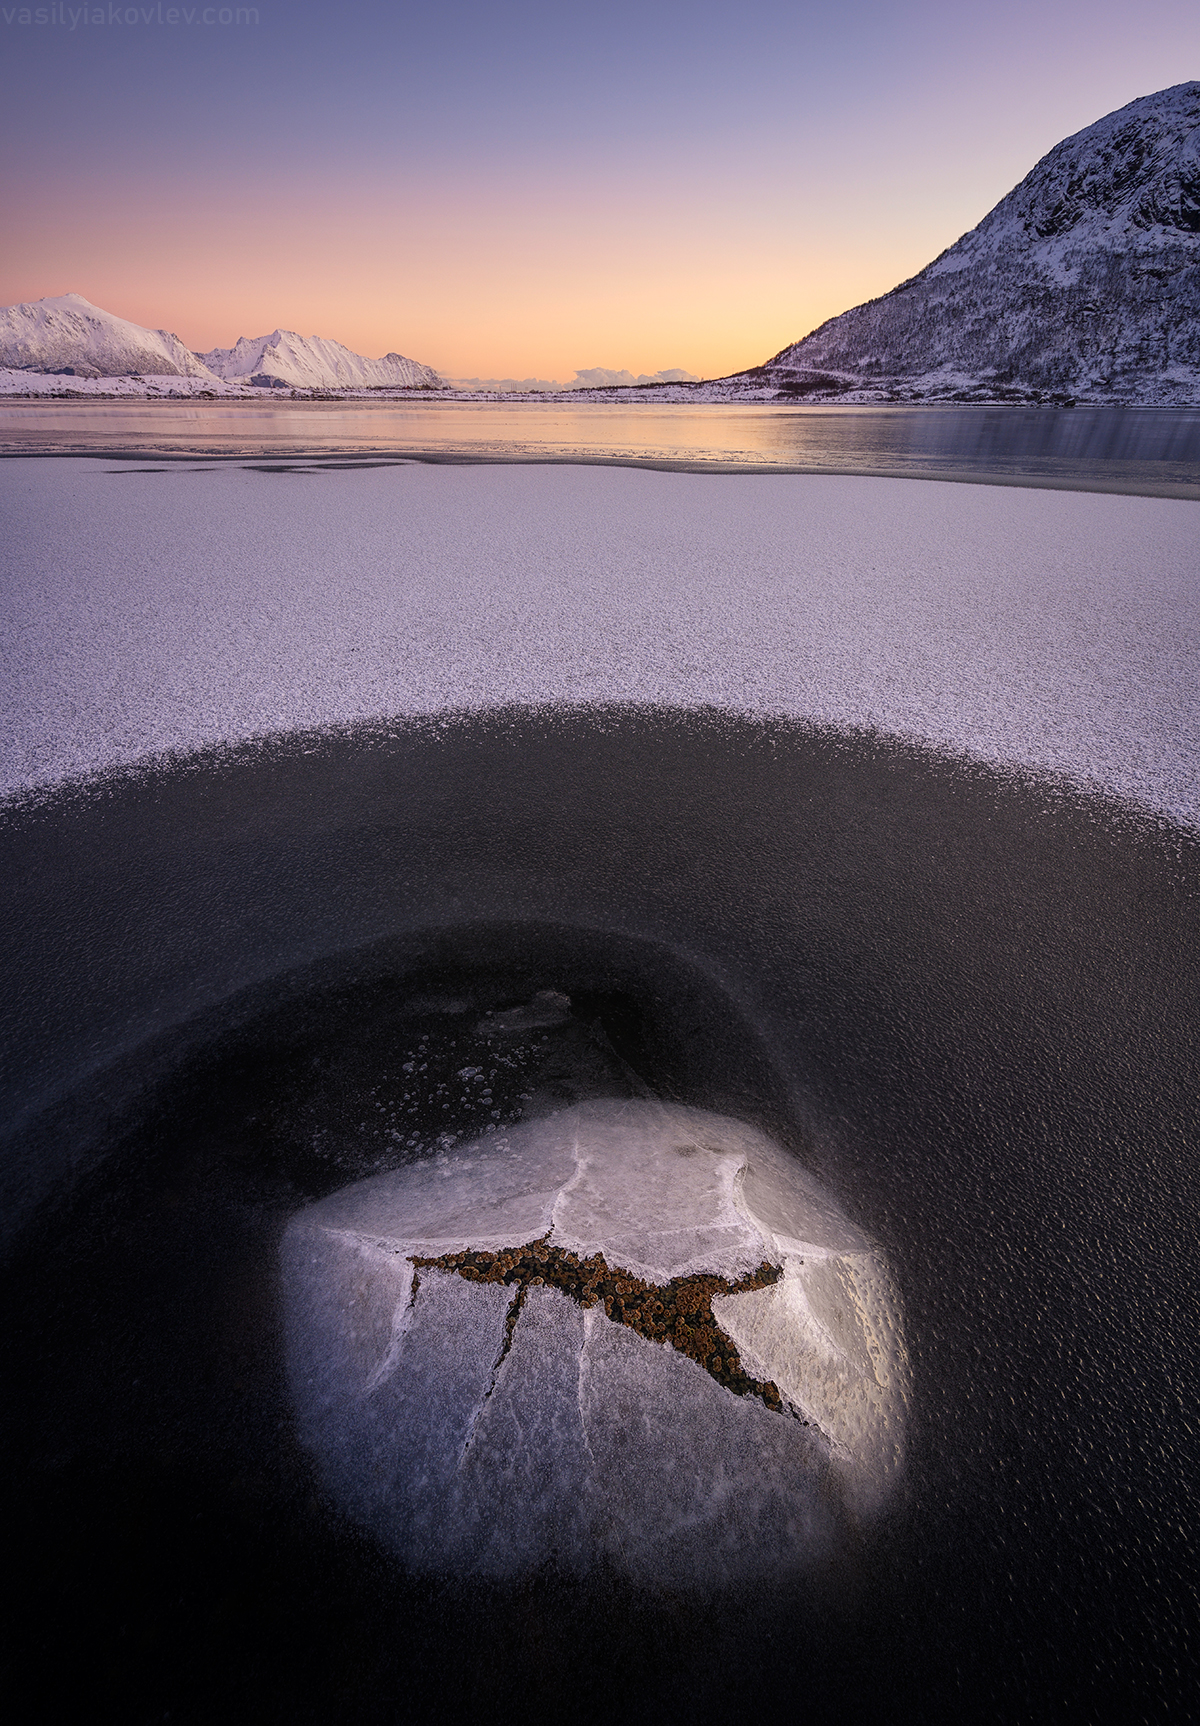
column 573, row 1439
column 828, row 1335
column 654, row 1189
column 1045, row 629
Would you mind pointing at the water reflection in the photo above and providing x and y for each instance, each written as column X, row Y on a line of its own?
column 1153, row 451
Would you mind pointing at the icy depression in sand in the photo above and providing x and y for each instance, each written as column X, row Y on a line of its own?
column 161, row 612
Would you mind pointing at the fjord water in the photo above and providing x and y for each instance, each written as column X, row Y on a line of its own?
column 1151, row 451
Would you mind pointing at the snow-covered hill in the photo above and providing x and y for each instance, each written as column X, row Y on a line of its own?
column 1083, row 282
column 604, row 378
column 66, row 334
column 311, row 362
column 81, row 347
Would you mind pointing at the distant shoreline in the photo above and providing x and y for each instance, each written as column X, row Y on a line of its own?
column 737, row 390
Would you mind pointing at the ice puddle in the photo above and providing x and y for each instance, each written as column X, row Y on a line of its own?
column 632, row 1334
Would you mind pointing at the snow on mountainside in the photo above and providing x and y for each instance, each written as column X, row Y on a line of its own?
column 1084, row 282
column 67, row 335
column 284, row 359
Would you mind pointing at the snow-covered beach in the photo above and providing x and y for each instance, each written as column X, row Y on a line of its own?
column 313, row 771
column 152, row 612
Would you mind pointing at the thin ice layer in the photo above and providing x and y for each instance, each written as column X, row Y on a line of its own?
column 1051, row 629
column 828, row 1335
column 491, row 1427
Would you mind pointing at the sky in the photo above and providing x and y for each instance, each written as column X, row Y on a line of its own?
column 523, row 189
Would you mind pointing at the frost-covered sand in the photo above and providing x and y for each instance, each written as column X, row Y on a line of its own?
column 168, row 610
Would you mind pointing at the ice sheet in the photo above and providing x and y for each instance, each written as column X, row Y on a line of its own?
column 494, row 1428
column 164, row 611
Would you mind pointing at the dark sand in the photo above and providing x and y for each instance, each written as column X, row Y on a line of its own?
column 970, row 1003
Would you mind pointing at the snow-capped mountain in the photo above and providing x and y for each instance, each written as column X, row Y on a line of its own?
column 1083, row 282
column 284, row 359
column 67, row 334
column 604, row 378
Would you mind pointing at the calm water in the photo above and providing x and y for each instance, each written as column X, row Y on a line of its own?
column 1153, row 451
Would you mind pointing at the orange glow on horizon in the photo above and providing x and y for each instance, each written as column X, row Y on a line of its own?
column 518, row 287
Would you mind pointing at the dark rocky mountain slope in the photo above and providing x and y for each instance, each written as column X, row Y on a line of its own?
column 1083, row 283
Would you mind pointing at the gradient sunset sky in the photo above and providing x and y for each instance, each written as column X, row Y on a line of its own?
column 523, row 189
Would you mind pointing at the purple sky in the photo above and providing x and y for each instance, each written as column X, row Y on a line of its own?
column 525, row 189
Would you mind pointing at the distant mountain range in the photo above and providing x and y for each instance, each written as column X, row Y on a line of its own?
column 1083, row 283
column 285, row 360
column 67, row 337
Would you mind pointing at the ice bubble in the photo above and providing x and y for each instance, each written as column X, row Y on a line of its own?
column 632, row 1334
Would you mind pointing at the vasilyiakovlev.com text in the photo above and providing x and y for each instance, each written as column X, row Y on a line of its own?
column 64, row 17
